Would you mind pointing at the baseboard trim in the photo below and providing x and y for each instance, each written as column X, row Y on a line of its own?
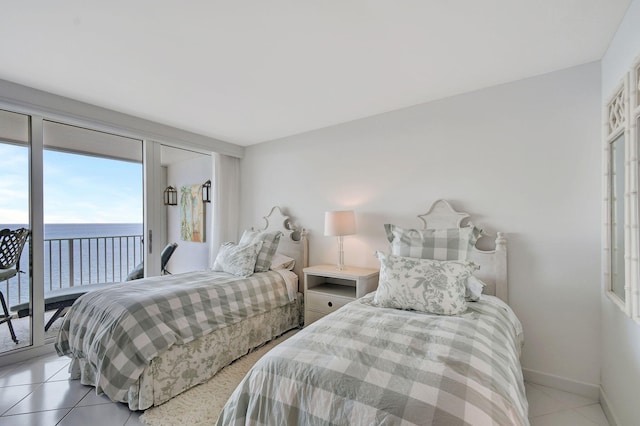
column 23, row 354
column 579, row 388
column 607, row 409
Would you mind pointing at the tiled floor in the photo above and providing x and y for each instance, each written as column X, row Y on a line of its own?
column 39, row 392
column 552, row 407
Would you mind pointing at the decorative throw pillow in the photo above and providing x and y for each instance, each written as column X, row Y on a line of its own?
column 425, row 285
column 475, row 286
column 236, row 259
column 438, row 244
column 270, row 241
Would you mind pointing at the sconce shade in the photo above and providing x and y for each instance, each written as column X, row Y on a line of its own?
column 170, row 196
column 206, row 192
column 339, row 223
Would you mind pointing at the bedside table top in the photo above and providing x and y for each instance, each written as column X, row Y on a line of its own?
column 347, row 272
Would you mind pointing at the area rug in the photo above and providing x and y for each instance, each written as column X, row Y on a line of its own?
column 202, row 404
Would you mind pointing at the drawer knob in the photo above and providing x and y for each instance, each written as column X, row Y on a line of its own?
column 330, row 304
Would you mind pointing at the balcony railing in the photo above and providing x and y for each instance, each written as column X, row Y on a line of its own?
column 70, row 262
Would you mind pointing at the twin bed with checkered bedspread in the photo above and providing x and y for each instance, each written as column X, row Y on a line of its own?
column 146, row 341
column 365, row 365
column 112, row 335
column 372, row 364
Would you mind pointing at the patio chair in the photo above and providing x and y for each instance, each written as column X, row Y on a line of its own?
column 11, row 245
column 165, row 255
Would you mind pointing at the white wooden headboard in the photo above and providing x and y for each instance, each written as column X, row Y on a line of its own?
column 493, row 263
column 293, row 242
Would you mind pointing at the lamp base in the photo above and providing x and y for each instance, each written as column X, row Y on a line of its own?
column 340, row 265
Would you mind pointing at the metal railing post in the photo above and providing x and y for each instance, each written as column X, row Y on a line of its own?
column 71, row 265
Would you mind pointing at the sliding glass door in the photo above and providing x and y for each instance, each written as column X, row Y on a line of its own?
column 93, row 211
column 93, row 202
column 15, row 288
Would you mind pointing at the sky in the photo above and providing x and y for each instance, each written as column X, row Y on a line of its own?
column 77, row 188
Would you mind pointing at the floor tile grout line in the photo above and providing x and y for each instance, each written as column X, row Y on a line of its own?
column 33, row 412
column 21, row 399
column 588, row 418
column 23, row 384
column 72, row 408
column 565, row 408
column 542, row 388
column 571, row 409
column 56, row 373
column 591, row 422
column 63, row 417
column 37, row 411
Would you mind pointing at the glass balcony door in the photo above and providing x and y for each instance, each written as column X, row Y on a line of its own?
column 92, row 209
column 93, row 202
column 15, row 214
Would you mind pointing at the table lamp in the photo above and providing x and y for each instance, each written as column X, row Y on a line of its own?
column 338, row 224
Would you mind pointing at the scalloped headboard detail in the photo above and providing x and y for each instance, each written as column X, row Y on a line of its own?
column 493, row 263
column 293, row 242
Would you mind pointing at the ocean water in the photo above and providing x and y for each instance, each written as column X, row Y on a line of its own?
column 79, row 253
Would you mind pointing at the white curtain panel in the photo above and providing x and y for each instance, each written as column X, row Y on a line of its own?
column 226, row 202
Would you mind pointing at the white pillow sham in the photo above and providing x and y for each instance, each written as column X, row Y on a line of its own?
column 424, row 285
column 475, row 286
column 280, row 261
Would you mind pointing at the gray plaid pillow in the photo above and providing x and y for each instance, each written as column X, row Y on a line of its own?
column 270, row 241
column 437, row 244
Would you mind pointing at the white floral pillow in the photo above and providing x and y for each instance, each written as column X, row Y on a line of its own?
column 425, row 285
column 237, row 260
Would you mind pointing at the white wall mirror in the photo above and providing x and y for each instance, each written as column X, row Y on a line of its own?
column 621, row 200
column 622, row 197
column 616, row 177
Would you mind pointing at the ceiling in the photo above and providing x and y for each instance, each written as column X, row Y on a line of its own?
column 251, row 71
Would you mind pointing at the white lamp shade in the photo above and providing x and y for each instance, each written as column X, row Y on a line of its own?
column 339, row 223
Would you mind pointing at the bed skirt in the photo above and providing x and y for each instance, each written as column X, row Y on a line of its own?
column 184, row 366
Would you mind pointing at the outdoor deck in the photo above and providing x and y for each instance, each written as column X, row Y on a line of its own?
column 21, row 327
column 70, row 262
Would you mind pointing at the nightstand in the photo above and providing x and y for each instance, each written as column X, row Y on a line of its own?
column 327, row 288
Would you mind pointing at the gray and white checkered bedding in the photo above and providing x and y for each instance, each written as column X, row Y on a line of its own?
column 364, row 365
column 119, row 330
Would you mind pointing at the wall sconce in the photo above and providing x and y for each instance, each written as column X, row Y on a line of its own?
column 170, row 196
column 206, row 192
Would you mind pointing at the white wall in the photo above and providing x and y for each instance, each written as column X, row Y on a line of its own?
column 189, row 256
column 524, row 158
column 620, row 371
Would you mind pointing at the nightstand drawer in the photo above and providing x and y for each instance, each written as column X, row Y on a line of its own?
column 324, row 302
